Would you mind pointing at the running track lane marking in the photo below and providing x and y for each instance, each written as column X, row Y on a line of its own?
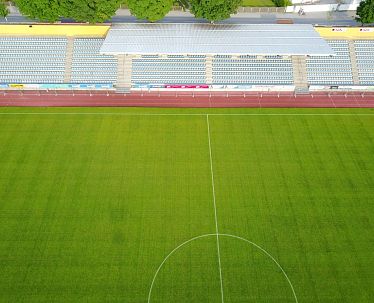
column 215, row 207
column 191, row 114
column 223, row 235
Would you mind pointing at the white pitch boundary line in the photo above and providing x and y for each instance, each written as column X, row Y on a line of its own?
column 189, row 114
column 215, row 207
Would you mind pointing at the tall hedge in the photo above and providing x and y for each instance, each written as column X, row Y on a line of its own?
column 3, row 9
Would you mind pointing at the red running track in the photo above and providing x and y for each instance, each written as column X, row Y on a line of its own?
column 186, row 99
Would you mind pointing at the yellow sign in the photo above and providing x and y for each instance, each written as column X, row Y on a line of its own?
column 16, row 85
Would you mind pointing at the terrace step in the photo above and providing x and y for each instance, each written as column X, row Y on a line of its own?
column 124, row 71
column 209, row 69
column 69, row 59
column 352, row 54
column 300, row 77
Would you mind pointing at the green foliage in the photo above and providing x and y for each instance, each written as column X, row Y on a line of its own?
column 151, row 10
column 93, row 11
column 43, row 10
column 183, row 3
column 214, row 10
column 80, row 10
column 365, row 12
column 282, row 3
column 3, row 10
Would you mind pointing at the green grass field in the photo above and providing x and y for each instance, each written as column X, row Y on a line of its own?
column 257, row 3
column 94, row 204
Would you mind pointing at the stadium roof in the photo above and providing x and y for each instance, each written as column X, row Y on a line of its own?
column 244, row 39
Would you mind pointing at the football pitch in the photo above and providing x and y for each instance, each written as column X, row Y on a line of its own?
column 186, row 205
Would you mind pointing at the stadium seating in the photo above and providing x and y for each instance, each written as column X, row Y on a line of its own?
column 251, row 70
column 32, row 60
column 365, row 61
column 43, row 60
column 89, row 66
column 172, row 69
column 336, row 70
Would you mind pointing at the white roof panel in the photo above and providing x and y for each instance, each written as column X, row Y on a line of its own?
column 241, row 39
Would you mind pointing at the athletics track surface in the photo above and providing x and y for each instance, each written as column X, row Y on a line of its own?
column 186, row 99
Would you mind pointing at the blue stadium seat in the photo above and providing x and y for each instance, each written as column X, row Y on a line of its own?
column 89, row 66
column 365, row 61
column 172, row 69
column 247, row 69
column 336, row 70
column 32, row 59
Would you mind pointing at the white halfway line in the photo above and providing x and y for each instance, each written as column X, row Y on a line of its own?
column 215, row 208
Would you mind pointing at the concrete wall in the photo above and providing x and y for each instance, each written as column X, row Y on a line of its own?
column 321, row 7
column 312, row 8
column 348, row 7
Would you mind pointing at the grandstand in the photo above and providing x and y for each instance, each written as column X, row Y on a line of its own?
column 172, row 69
column 334, row 70
column 138, row 56
column 32, row 59
column 364, row 50
column 249, row 69
column 88, row 65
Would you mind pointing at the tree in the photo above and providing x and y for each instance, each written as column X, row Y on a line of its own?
column 214, row 10
column 151, row 10
column 44, row 10
column 93, row 11
column 3, row 10
column 185, row 4
column 365, row 12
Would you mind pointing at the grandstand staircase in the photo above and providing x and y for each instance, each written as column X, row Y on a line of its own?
column 69, row 59
column 209, row 69
column 300, row 77
column 124, row 73
column 352, row 54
